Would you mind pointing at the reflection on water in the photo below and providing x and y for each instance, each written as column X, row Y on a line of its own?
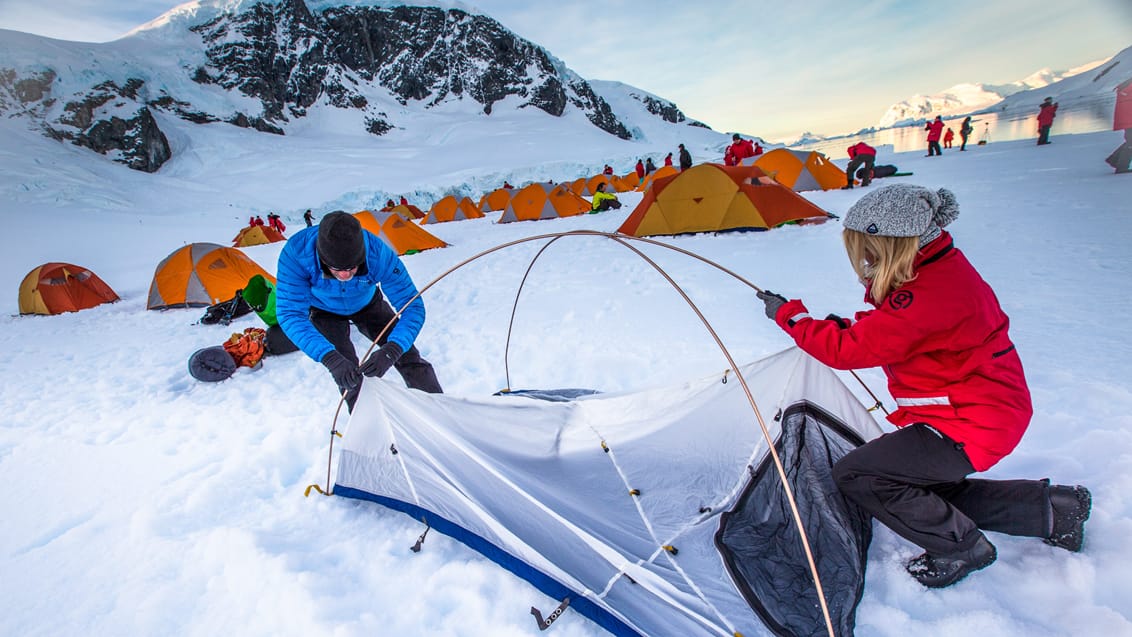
column 1080, row 117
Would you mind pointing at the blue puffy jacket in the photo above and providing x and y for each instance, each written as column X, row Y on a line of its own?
column 302, row 284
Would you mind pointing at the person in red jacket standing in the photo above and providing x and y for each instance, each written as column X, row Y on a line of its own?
column 942, row 339
column 935, row 131
column 860, row 154
column 640, row 170
column 739, row 150
column 1046, row 112
column 1122, row 120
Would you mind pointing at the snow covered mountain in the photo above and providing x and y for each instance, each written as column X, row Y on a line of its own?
column 268, row 64
column 966, row 98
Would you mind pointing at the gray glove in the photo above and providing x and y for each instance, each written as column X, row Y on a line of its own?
column 345, row 373
column 380, row 361
column 772, row 301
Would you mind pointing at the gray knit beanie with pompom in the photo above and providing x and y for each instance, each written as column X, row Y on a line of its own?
column 903, row 210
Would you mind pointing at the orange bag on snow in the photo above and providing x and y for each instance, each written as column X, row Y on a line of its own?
column 246, row 348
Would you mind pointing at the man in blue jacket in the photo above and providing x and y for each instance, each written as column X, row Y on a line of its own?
column 328, row 278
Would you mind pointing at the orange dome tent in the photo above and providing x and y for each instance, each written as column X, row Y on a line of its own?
column 449, row 209
column 544, row 201
column 663, row 171
column 496, row 199
column 54, row 288
column 711, row 197
column 201, row 274
column 257, row 235
column 403, row 236
column 799, row 170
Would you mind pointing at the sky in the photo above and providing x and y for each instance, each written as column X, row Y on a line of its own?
column 139, row 501
column 771, row 70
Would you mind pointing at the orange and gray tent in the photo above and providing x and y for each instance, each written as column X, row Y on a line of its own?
column 54, row 288
column 257, row 235
column 799, row 169
column 449, row 209
column 544, row 201
column 613, row 183
column 405, row 237
column 663, row 171
column 711, row 198
column 201, row 274
column 496, row 199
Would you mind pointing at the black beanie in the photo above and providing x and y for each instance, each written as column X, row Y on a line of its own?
column 340, row 243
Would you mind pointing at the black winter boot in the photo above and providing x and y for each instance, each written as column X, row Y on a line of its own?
column 938, row 571
column 1071, row 507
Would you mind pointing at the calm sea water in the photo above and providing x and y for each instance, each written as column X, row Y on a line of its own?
column 1080, row 117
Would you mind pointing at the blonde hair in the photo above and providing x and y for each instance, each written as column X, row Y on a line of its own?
column 883, row 263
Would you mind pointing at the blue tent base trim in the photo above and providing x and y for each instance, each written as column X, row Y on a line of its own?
column 545, row 584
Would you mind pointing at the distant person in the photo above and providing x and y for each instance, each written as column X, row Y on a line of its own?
column 860, row 154
column 308, row 217
column 947, row 137
column 668, row 159
column 758, row 149
column 965, row 132
column 259, row 220
column 739, row 150
column 685, row 158
column 608, row 170
column 1122, row 120
column 1046, row 112
column 640, row 168
column 604, row 200
column 940, row 336
column 275, row 222
column 935, row 131
column 404, row 202
column 389, row 205
column 335, row 275
column 507, row 185
column 649, row 166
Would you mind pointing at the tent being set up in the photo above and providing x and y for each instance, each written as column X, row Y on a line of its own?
column 654, row 512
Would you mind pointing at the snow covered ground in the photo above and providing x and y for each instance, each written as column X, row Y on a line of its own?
column 138, row 501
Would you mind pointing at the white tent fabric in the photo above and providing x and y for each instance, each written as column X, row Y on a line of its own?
column 546, row 489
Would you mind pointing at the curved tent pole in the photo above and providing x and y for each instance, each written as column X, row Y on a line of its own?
column 623, row 240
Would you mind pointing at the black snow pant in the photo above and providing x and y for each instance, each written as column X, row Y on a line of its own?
column 1043, row 134
column 1122, row 156
column 933, row 148
column 914, row 481
column 868, row 161
column 371, row 319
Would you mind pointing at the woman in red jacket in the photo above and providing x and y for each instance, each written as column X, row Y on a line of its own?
column 962, row 401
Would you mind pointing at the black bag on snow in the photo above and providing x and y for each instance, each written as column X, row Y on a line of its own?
column 225, row 311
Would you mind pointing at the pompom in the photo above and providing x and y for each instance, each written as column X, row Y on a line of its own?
column 948, row 208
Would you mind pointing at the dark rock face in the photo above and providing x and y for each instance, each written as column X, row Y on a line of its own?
column 289, row 59
column 418, row 54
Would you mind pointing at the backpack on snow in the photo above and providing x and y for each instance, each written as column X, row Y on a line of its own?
column 225, row 311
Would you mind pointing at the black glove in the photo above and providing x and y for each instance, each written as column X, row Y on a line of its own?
column 345, row 373
column 380, row 361
column 843, row 323
column 773, row 302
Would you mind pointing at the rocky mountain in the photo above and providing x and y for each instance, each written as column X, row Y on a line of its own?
column 962, row 99
column 268, row 64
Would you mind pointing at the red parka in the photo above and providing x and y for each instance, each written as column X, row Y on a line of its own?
column 935, row 130
column 861, row 148
column 1046, row 114
column 741, row 150
column 1122, row 113
column 942, row 341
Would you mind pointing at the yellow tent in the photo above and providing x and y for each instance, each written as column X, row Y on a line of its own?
column 54, row 288
column 710, row 198
column 257, row 235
